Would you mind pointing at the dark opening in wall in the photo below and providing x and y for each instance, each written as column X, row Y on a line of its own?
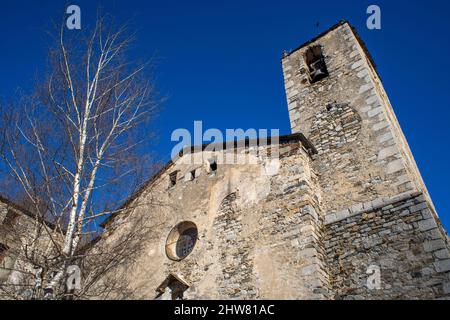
column 212, row 165
column 176, row 288
column 332, row 106
column 10, row 218
column 316, row 64
column 173, row 179
column 3, row 249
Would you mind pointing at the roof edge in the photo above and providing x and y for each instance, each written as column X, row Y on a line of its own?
column 334, row 27
column 324, row 33
column 28, row 213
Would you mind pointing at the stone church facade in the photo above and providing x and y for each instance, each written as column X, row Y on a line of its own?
column 341, row 213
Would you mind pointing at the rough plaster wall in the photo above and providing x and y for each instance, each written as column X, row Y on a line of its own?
column 254, row 248
column 372, row 161
column 258, row 232
column 403, row 239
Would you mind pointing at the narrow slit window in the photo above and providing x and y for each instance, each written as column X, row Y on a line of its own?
column 316, row 64
column 212, row 165
column 173, row 179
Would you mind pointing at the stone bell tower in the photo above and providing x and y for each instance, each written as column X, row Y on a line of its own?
column 336, row 99
column 375, row 208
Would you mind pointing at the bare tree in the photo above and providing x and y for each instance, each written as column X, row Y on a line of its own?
column 82, row 132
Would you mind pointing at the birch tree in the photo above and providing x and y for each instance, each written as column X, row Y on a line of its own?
column 82, row 133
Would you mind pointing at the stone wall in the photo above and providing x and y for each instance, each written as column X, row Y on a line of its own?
column 267, row 237
column 262, row 249
column 402, row 238
column 259, row 231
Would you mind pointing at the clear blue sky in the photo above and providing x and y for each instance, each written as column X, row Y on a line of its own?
column 219, row 62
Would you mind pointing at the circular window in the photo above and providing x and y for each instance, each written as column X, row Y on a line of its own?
column 181, row 240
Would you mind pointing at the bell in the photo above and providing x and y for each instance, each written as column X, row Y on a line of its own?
column 317, row 74
column 318, row 70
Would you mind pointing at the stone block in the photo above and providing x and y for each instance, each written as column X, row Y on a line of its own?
column 378, row 203
column 365, row 88
column 394, row 166
column 434, row 245
column 306, row 271
column 363, row 73
column 442, row 266
column 446, row 288
column 442, row 254
column 330, row 218
column 357, row 64
column 380, row 125
column 372, row 99
column 354, row 53
column 387, row 152
column 385, row 137
column 426, row 214
column 374, row 112
column 357, row 208
column 419, row 207
column 426, row 225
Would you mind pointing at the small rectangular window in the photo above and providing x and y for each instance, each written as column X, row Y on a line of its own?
column 173, row 179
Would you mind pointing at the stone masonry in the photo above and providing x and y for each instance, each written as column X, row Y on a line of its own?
column 343, row 198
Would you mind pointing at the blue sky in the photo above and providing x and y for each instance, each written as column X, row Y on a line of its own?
column 219, row 62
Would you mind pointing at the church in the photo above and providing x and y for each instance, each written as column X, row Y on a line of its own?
column 336, row 210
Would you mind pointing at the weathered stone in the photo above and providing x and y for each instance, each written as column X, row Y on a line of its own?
column 442, row 266
column 442, row 254
column 395, row 166
column 426, row 225
column 446, row 288
column 433, row 245
column 387, row 152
